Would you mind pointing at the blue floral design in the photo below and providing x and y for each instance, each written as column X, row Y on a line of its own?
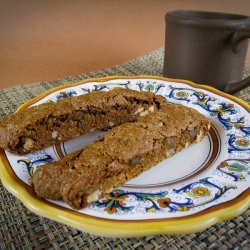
column 238, row 143
column 235, row 168
column 96, row 88
column 32, row 164
column 190, row 190
column 65, row 94
column 116, row 200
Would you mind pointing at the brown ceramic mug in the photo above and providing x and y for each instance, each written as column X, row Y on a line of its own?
column 208, row 48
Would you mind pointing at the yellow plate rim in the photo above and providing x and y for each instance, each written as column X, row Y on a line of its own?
column 117, row 228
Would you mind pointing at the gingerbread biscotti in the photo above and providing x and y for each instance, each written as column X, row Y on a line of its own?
column 122, row 153
column 49, row 123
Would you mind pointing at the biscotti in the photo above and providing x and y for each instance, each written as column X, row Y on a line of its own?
column 49, row 123
column 122, row 153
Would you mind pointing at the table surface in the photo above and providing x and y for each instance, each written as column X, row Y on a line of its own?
column 22, row 229
column 44, row 40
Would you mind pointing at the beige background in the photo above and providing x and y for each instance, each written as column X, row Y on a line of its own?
column 50, row 39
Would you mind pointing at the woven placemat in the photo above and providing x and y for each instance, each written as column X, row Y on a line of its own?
column 22, row 229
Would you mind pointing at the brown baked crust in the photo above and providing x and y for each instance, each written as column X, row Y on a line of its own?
column 122, row 153
column 49, row 123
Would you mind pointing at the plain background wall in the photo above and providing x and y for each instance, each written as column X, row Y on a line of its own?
column 50, row 39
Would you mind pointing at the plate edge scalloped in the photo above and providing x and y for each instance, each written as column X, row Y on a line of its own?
column 113, row 228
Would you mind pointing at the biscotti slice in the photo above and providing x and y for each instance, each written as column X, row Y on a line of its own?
column 50, row 123
column 121, row 154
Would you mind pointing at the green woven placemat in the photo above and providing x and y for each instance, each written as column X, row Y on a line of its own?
column 22, row 229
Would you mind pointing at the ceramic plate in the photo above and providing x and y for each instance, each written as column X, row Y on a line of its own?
column 189, row 192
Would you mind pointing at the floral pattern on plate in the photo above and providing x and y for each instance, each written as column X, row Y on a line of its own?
column 225, row 179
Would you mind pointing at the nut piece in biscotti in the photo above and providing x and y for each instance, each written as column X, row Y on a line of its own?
column 49, row 123
column 121, row 154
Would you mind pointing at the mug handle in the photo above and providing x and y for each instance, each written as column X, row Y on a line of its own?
column 234, row 87
column 239, row 35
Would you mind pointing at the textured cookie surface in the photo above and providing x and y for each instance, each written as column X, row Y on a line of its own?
column 122, row 153
column 49, row 123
